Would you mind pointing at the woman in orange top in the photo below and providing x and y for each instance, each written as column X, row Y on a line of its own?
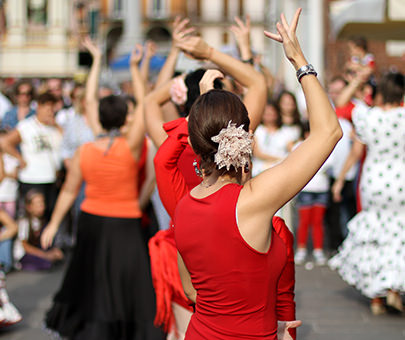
column 107, row 291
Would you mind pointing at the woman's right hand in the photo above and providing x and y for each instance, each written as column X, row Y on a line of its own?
column 90, row 46
column 207, row 81
column 287, row 36
column 283, row 326
column 48, row 235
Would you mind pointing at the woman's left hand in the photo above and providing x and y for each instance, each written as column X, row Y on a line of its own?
column 207, row 81
column 283, row 326
column 286, row 34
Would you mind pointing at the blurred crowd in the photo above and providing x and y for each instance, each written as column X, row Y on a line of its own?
column 43, row 122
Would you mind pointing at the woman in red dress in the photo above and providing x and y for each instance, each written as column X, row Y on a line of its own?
column 230, row 260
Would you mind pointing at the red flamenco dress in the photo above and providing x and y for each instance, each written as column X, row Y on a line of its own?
column 175, row 177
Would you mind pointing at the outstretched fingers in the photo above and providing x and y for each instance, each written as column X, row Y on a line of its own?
column 284, row 21
column 294, row 22
column 274, row 36
column 284, row 28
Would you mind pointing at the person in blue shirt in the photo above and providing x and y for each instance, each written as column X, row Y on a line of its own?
column 24, row 94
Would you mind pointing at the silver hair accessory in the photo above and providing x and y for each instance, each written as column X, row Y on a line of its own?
column 235, row 147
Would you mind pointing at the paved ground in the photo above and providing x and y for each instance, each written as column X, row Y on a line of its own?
column 329, row 308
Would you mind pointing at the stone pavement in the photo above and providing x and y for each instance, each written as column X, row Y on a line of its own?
column 332, row 310
column 329, row 309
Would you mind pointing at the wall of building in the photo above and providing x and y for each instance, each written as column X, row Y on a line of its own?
column 42, row 48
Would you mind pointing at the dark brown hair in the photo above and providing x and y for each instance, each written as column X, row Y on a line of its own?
column 24, row 82
column 392, row 88
column 192, row 81
column 296, row 114
column 211, row 113
column 359, row 41
column 279, row 122
column 46, row 97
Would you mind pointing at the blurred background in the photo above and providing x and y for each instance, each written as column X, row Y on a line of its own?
column 41, row 38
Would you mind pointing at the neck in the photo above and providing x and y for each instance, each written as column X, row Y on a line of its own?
column 389, row 106
column 216, row 181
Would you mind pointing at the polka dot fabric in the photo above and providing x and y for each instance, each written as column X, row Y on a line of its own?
column 372, row 258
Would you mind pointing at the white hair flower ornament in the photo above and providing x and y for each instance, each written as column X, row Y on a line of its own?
column 235, row 147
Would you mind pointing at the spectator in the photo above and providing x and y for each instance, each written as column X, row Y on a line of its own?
column 372, row 257
column 29, row 233
column 9, row 184
column 39, row 140
column 8, row 229
column 24, row 94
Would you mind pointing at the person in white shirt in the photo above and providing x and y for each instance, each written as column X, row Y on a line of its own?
column 39, row 140
column 311, row 203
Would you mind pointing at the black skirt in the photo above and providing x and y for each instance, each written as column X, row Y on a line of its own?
column 107, row 292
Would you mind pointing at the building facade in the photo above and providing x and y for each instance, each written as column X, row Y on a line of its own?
column 37, row 39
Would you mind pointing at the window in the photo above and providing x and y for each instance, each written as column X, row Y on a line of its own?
column 159, row 9
column 37, row 12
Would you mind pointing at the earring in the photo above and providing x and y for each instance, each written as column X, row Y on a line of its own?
column 246, row 168
column 197, row 169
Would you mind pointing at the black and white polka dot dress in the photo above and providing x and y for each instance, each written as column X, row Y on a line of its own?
column 372, row 258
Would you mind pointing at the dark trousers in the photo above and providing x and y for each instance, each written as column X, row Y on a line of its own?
column 338, row 214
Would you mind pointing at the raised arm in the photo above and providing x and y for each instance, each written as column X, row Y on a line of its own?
column 354, row 85
column 241, row 31
column 150, row 51
column 92, row 86
column 244, row 73
column 154, row 115
column 169, row 179
column 136, row 129
column 154, row 111
column 180, row 30
column 285, row 180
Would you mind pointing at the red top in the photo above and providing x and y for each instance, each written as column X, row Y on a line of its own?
column 345, row 111
column 111, row 180
column 236, row 285
column 173, row 185
column 187, row 156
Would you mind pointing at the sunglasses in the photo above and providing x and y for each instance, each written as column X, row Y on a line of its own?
column 24, row 93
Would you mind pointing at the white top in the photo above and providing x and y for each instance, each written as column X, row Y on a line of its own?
column 24, row 227
column 40, row 149
column 320, row 182
column 24, row 234
column 342, row 151
column 9, row 186
column 273, row 144
column 63, row 116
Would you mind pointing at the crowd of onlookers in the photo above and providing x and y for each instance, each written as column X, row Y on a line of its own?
column 43, row 122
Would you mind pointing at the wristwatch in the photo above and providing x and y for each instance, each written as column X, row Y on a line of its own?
column 304, row 70
column 248, row 61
